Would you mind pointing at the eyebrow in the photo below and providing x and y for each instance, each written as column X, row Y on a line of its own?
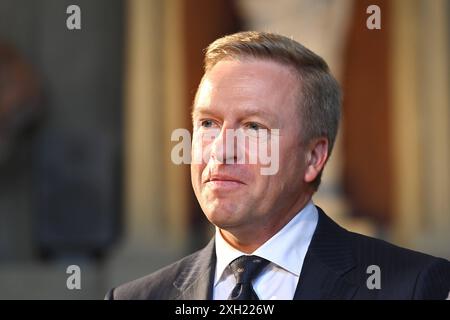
column 196, row 111
column 247, row 111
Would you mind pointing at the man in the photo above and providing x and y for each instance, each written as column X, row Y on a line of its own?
column 271, row 242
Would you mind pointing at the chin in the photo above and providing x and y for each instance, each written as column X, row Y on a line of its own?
column 222, row 218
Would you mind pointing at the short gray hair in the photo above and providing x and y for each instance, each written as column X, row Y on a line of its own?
column 320, row 95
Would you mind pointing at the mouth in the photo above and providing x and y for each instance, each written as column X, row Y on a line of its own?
column 223, row 182
column 225, row 178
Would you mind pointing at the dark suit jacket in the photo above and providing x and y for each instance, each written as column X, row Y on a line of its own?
column 335, row 267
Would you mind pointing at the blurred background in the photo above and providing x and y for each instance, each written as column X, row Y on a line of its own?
column 86, row 118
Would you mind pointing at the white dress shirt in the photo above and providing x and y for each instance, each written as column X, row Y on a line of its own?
column 286, row 252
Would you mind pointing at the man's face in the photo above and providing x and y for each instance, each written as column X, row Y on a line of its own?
column 247, row 95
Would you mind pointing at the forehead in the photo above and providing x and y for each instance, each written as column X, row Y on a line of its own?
column 244, row 83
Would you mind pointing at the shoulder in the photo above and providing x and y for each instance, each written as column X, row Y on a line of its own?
column 403, row 273
column 330, row 237
column 422, row 275
column 157, row 285
column 367, row 247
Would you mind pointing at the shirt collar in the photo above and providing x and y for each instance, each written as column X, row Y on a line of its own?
column 287, row 248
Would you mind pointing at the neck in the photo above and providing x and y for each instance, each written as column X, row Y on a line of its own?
column 250, row 237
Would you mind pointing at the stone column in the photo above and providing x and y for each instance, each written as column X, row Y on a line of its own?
column 143, row 110
column 422, row 119
column 156, row 203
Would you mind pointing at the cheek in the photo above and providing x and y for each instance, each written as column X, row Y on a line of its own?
column 200, row 149
column 196, row 173
column 292, row 162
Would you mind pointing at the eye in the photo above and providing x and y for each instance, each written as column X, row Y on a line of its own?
column 207, row 123
column 253, row 126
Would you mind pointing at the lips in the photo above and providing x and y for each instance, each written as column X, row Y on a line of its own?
column 223, row 184
column 223, row 178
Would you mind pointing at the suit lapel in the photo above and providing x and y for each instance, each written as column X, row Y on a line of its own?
column 328, row 259
column 196, row 280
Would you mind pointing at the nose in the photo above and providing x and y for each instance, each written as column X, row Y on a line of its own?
column 224, row 148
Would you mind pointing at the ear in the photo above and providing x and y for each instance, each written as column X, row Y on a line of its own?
column 316, row 157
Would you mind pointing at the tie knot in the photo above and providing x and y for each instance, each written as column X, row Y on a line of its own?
column 246, row 268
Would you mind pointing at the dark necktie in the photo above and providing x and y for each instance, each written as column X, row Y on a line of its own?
column 245, row 269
